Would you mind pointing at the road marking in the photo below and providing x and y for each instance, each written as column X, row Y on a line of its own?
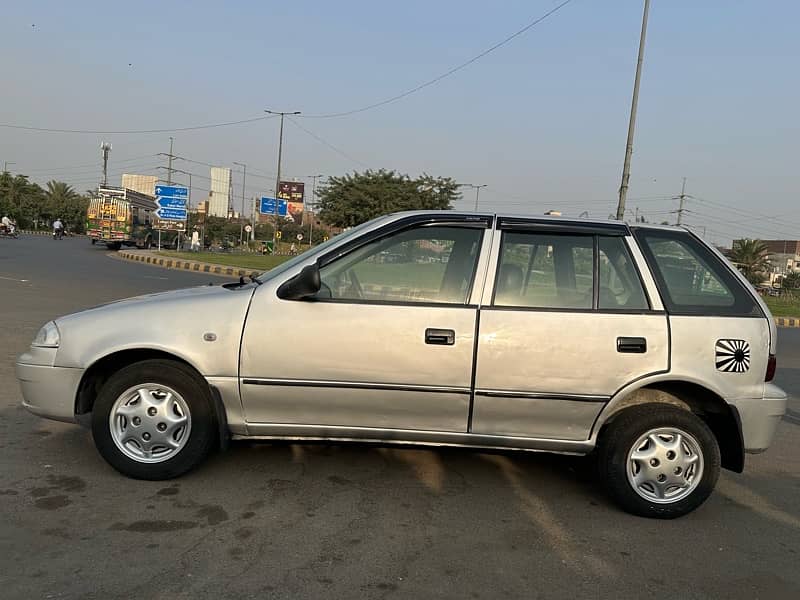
column 17, row 280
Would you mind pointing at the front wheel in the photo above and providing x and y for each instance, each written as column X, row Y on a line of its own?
column 154, row 420
column 658, row 461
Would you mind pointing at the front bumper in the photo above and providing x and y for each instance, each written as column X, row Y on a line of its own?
column 760, row 417
column 49, row 391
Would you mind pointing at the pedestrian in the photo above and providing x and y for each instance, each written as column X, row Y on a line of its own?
column 195, row 240
column 292, row 249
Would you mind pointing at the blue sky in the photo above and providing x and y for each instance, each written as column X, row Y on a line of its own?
column 541, row 121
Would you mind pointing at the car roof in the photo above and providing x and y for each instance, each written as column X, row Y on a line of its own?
column 554, row 219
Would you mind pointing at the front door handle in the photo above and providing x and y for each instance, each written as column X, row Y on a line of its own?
column 440, row 337
column 632, row 345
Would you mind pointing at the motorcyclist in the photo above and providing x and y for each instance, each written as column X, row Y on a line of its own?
column 58, row 229
column 8, row 224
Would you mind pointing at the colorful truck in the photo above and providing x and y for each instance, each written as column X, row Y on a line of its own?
column 122, row 217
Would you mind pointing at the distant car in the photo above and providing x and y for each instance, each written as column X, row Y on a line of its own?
column 642, row 344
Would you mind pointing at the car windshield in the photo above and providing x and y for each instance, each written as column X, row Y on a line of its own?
column 321, row 249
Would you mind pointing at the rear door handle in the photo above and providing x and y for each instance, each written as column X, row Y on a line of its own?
column 632, row 345
column 440, row 337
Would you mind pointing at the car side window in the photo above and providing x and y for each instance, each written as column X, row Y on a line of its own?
column 691, row 278
column 620, row 286
column 425, row 264
column 545, row 271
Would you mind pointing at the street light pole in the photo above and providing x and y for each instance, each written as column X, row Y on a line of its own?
column 244, row 183
column 626, row 167
column 5, row 165
column 477, row 189
column 311, row 209
column 278, row 178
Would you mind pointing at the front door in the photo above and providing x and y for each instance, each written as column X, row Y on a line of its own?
column 387, row 343
column 568, row 324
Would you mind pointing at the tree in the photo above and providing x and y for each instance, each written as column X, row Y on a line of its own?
column 353, row 199
column 791, row 281
column 750, row 256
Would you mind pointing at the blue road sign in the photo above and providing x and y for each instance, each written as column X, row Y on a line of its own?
column 172, row 191
column 268, row 207
column 171, row 214
column 168, row 202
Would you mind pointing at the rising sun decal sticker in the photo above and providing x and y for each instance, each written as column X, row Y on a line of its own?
column 732, row 356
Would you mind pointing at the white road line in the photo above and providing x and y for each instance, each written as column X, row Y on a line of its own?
column 17, row 280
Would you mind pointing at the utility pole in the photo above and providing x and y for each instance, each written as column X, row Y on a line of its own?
column 311, row 209
column 106, row 148
column 682, row 197
column 626, row 167
column 5, row 165
column 278, row 178
column 244, row 183
column 169, row 167
column 477, row 189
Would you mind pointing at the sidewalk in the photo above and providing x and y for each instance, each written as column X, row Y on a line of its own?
column 150, row 258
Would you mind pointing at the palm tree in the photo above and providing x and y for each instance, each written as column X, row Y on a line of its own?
column 59, row 192
column 791, row 281
column 750, row 256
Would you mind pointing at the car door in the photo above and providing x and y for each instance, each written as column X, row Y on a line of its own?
column 388, row 342
column 565, row 325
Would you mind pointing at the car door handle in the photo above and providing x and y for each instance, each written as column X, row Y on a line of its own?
column 632, row 345
column 440, row 337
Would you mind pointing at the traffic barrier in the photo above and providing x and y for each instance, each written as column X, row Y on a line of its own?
column 787, row 321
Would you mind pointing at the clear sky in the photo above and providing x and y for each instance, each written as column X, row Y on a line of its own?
column 542, row 121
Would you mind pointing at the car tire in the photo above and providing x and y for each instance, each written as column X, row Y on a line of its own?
column 648, row 471
column 154, row 420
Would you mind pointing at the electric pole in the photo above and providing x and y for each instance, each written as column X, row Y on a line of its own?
column 244, row 183
column 169, row 167
column 682, row 197
column 278, row 178
column 5, row 165
column 626, row 167
column 477, row 189
column 311, row 209
column 106, row 148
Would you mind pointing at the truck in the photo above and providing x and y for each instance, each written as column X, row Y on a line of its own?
column 118, row 217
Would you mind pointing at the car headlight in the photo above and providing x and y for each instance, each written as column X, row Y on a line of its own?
column 48, row 336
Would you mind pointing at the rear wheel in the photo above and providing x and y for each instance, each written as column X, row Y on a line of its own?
column 154, row 420
column 658, row 461
column 115, row 246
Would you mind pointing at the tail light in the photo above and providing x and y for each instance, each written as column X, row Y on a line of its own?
column 772, row 365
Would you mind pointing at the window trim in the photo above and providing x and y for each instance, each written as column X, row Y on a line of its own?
column 723, row 271
column 468, row 222
column 595, row 234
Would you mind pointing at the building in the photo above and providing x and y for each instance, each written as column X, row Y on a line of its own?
column 144, row 184
column 784, row 255
column 219, row 198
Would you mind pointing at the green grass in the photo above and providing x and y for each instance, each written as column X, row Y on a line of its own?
column 784, row 306
column 253, row 261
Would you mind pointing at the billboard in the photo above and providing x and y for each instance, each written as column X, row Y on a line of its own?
column 144, row 184
column 293, row 192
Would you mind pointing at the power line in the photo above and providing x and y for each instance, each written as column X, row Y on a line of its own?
column 446, row 74
column 135, row 131
column 328, row 144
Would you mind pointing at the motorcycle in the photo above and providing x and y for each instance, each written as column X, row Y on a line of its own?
column 9, row 232
column 58, row 233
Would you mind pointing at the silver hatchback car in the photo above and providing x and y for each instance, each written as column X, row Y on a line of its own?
column 642, row 345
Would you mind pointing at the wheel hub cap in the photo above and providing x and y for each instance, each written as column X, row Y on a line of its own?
column 150, row 423
column 665, row 465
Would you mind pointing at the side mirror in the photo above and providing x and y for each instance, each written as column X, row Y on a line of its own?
column 306, row 283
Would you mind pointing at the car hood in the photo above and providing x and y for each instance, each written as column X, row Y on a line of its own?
column 201, row 325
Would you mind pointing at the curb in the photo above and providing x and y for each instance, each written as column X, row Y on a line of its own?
column 40, row 232
column 184, row 265
column 787, row 321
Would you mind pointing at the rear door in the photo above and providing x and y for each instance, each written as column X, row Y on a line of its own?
column 565, row 325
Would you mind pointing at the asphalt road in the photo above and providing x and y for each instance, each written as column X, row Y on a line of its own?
column 351, row 521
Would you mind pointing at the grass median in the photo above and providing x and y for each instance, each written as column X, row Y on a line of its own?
column 787, row 305
column 256, row 262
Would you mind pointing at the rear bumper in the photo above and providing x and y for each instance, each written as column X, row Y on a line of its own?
column 760, row 418
column 49, row 391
